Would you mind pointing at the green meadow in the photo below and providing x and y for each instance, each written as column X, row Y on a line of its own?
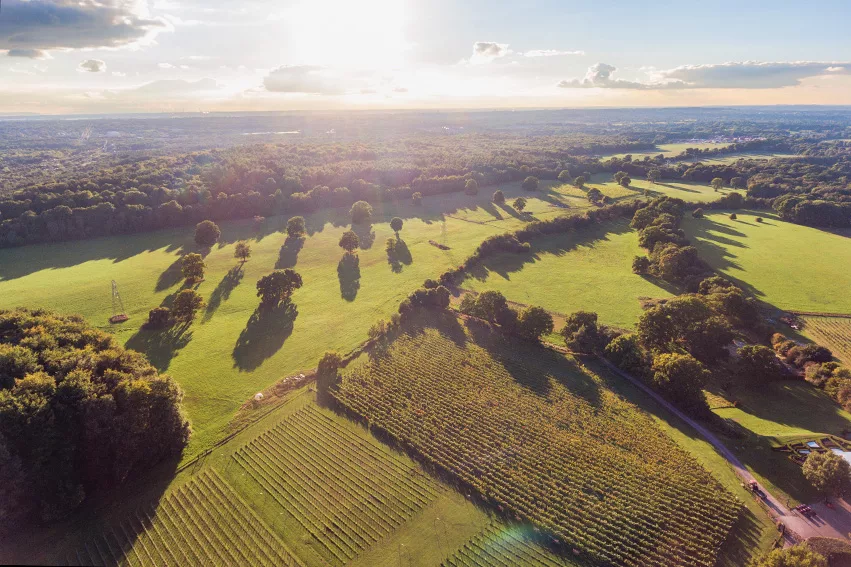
column 787, row 265
column 668, row 150
column 586, row 270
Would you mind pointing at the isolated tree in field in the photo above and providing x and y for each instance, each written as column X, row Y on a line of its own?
column 361, row 212
column 186, row 304
column 733, row 216
column 498, row 197
column 296, row 227
column 519, row 204
column 829, row 473
column 242, row 251
column 594, row 195
column 619, row 176
column 417, row 198
column 471, row 187
column 757, row 364
column 580, row 181
column 193, row 267
column 277, row 287
column 717, row 183
column 207, row 233
column 530, row 183
column 796, row 556
column 625, row 181
column 564, row 176
column 349, row 241
column 159, row 317
column 533, row 322
column 654, row 175
column 396, row 224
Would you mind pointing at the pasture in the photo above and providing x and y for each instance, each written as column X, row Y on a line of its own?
column 232, row 351
column 669, row 150
column 588, row 270
column 786, row 265
column 832, row 332
column 542, row 437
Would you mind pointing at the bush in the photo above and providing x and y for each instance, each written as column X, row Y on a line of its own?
column 207, row 233
column 697, row 213
column 640, row 265
column 797, row 556
column 327, row 371
column 564, row 176
column 361, row 212
column 733, row 216
column 758, row 219
column 81, row 414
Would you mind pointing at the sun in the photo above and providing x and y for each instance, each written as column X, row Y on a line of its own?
column 367, row 34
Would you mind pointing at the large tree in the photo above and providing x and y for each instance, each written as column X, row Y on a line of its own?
column 471, row 187
column 361, row 212
column 186, row 304
column 242, row 251
column 193, row 267
column 533, row 322
column 530, row 183
column 396, row 224
column 277, row 287
column 295, row 227
column 828, row 472
column 207, row 233
column 349, row 241
column 757, row 364
column 717, row 183
column 681, row 378
column 580, row 332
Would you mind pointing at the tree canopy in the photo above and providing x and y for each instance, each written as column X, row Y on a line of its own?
column 193, row 267
column 277, row 287
column 361, row 212
column 295, row 227
column 349, row 241
column 207, row 233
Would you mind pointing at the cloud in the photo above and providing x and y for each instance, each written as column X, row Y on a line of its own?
column 92, row 66
column 550, row 53
column 118, row 74
column 487, row 51
column 172, row 87
column 309, row 79
column 400, row 89
column 37, row 26
column 29, row 53
column 731, row 75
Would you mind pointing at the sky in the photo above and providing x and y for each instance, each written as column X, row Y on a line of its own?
column 102, row 56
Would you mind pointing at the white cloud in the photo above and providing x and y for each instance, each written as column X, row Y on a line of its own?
column 400, row 89
column 550, row 53
column 487, row 51
column 730, row 75
column 36, row 26
column 309, row 79
column 92, row 66
column 165, row 66
column 29, row 53
column 118, row 74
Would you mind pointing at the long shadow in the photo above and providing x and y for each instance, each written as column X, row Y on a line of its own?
column 366, row 235
column 400, row 256
column 265, row 333
column 348, row 272
column 222, row 292
column 288, row 256
column 171, row 276
column 161, row 345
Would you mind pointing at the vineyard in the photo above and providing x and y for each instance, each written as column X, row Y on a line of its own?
column 543, row 439
column 832, row 332
column 506, row 546
column 201, row 523
column 345, row 491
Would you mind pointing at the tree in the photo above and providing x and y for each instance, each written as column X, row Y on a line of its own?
column 738, row 183
column 417, row 198
column 186, row 304
column 193, row 267
column 627, row 354
column 580, row 181
column 733, row 216
column 654, row 175
column 490, row 305
column 471, row 187
column 361, row 212
column 277, row 287
column 533, row 322
column 159, row 317
column 242, row 251
column 530, row 183
column 717, row 183
column 327, row 371
column 640, row 265
column 594, row 195
column 519, row 204
column 349, row 241
column 828, row 472
column 697, row 213
column 757, row 363
column 564, row 176
column 498, row 197
column 396, row 224
column 681, row 378
column 207, row 233
column 296, row 227
column 796, row 556
column 625, row 181
column 580, row 332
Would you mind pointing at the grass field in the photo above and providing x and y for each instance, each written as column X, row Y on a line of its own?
column 786, row 265
column 669, row 150
column 589, row 270
column 832, row 332
column 541, row 436
column 230, row 353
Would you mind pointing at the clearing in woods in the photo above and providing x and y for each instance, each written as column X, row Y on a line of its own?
column 537, row 434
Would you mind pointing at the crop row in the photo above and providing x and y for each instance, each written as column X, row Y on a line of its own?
column 502, row 545
column 345, row 491
column 538, row 437
column 203, row 522
column 832, row 332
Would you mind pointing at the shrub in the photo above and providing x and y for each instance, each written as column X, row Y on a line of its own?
column 564, row 176
column 796, row 556
column 758, row 219
column 640, row 265
column 697, row 213
column 733, row 216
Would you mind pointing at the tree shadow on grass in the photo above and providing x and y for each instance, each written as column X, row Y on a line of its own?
column 161, row 345
column 348, row 271
column 400, row 256
column 366, row 234
column 288, row 255
column 264, row 335
column 171, row 276
column 223, row 290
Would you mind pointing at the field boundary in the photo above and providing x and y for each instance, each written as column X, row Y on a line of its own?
column 817, row 314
